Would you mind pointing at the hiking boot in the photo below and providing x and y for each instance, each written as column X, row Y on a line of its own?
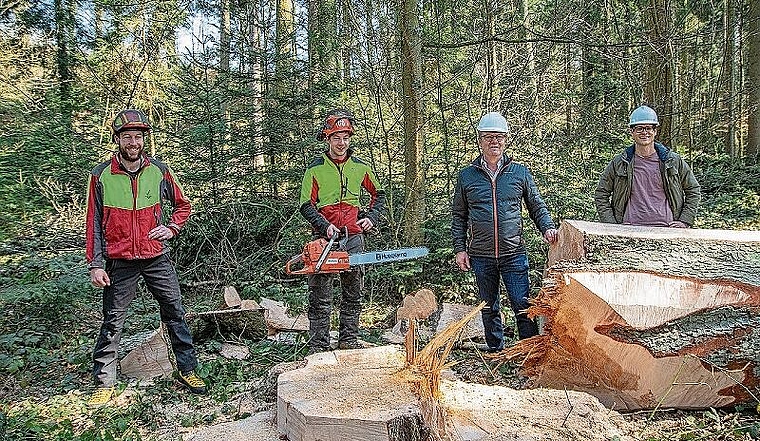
column 317, row 349
column 193, row 382
column 350, row 345
column 101, row 396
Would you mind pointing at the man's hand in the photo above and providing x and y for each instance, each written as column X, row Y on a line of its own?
column 463, row 260
column 550, row 236
column 161, row 232
column 677, row 224
column 365, row 224
column 332, row 230
column 99, row 278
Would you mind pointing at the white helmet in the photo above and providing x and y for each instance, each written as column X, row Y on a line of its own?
column 493, row 122
column 643, row 115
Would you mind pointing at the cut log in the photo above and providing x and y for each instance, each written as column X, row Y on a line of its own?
column 703, row 254
column 278, row 319
column 149, row 360
column 231, row 297
column 453, row 312
column 649, row 317
column 230, row 324
column 418, row 305
column 353, row 394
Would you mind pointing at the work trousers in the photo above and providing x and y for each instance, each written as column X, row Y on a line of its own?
column 321, row 298
column 513, row 270
column 161, row 280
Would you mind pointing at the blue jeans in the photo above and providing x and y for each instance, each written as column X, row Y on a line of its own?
column 161, row 280
column 514, row 272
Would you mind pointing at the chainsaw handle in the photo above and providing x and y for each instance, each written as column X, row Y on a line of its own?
column 295, row 259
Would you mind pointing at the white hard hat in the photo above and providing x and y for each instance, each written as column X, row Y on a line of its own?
column 643, row 115
column 493, row 122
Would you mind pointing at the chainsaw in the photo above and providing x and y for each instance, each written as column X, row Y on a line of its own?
column 325, row 257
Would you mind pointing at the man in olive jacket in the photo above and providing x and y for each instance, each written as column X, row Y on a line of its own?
column 647, row 184
column 487, row 204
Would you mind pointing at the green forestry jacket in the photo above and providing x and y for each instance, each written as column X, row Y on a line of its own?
column 492, row 211
column 330, row 193
column 614, row 189
column 122, row 209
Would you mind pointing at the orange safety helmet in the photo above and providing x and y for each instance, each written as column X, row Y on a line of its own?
column 129, row 119
column 337, row 120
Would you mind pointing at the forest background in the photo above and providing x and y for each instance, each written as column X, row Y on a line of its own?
column 236, row 91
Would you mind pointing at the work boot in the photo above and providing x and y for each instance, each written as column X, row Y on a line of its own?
column 354, row 344
column 193, row 382
column 318, row 349
column 101, row 396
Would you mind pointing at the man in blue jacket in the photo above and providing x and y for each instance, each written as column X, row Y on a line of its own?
column 487, row 204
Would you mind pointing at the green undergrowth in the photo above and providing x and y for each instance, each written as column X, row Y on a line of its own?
column 51, row 314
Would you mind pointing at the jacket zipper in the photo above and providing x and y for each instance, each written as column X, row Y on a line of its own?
column 135, row 230
column 495, row 219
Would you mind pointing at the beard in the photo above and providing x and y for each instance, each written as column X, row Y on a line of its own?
column 131, row 155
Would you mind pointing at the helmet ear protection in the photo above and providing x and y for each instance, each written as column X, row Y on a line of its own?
column 337, row 120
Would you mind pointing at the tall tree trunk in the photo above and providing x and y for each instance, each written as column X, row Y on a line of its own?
column 65, row 42
column 729, row 80
column 255, row 82
column 347, row 31
column 411, row 80
column 752, row 76
column 224, row 65
column 283, row 79
column 658, row 87
column 323, row 45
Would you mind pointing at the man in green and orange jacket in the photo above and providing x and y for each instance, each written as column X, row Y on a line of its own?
column 126, row 239
column 330, row 194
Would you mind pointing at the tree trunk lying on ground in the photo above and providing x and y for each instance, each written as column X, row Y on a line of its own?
column 649, row 317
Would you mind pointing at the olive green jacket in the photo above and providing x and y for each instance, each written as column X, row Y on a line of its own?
column 614, row 189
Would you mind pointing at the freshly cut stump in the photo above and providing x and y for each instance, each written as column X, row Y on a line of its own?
column 357, row 395
column 366, row 394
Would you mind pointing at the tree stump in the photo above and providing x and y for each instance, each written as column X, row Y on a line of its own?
column 353, row 394
column 365, row 394
column 649, row 317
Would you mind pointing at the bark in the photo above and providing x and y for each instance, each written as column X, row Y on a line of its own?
column 323, row 45
column 729, row 80
column 65, row 47
column 658, row 87
column 648, row 317
column 411, row 80
column 706, row 254
column 752, row 76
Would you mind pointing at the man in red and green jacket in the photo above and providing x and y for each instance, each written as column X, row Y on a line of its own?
column 330, row 194
column 126, row 239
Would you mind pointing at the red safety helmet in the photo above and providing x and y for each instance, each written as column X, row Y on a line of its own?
column 338, row 120
column 130, row 119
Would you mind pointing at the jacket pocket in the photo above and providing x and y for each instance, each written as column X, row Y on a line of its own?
column 482, row 239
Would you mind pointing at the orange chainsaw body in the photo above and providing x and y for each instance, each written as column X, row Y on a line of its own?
column 336, row 260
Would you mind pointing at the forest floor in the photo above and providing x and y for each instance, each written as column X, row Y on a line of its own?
column 50, row 315
column 473, row 367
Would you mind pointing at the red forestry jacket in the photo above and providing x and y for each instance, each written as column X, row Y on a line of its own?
column 122, row 209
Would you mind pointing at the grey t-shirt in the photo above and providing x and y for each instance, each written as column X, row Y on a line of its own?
column 648, row 204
